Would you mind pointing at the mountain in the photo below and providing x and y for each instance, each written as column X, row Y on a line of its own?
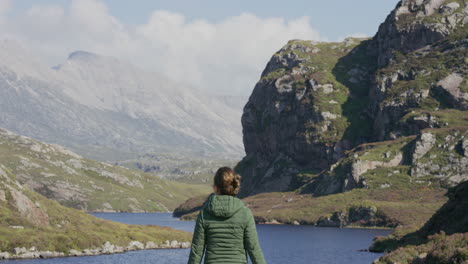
column 315, row 101
column 74, row 181
column 363, row 132
column 104, row 108
column 32, row 226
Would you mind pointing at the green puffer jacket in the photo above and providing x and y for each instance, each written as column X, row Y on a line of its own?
column 225, row 231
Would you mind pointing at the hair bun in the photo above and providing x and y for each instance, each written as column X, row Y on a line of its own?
column 227, row 181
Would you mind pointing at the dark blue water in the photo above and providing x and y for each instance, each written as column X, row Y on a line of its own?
column 280, row 243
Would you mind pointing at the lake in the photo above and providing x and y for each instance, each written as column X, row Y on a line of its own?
column 280, row 243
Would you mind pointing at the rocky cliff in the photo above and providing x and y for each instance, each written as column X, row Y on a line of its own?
column 316, row 101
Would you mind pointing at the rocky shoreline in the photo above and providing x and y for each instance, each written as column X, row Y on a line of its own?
column 106, row 248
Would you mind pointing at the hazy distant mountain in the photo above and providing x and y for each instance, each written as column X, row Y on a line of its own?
column 109, row 109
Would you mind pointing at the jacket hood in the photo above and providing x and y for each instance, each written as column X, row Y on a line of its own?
column 223, row 206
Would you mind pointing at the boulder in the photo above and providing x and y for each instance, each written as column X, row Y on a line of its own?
column 423, row 145
column 450, row 86
column 175, row 244
column 4, row 255
column 185, row 245
column 135, row 245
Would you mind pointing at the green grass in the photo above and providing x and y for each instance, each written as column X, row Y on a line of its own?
column 439, row 249
column 443, row 239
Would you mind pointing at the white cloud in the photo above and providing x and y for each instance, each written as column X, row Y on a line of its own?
column 5, row 6
column 225, row 57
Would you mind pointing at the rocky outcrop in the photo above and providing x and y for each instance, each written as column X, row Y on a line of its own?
column 413, row 24
column 423, row 145
column 441, row 156
column 296, row 118
column 106, row 248
column 358, row 216
column 451, row 86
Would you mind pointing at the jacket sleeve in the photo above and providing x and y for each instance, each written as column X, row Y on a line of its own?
column 198, row 241
column 251, row 241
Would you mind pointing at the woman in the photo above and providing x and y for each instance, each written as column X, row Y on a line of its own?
column 225, row 229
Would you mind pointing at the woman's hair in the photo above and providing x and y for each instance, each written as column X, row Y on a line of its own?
column 227, row 181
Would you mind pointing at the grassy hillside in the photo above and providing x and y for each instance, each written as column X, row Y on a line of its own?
column 85, row 184
column 387, row 184
column 443, row 239
column 28, row 219
column 182, row 168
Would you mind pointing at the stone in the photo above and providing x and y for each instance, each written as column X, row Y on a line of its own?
column 134, row 245
column 359, row 167
column 423, row 145
column 19, row 250
column 74, row 252
column 175, row 244
column 150, row 245
column 465, row 147
column 450, row 85
column 49, row 254
column 449, row 8
column 4, row 255
column 107, row 247
column 185, row 245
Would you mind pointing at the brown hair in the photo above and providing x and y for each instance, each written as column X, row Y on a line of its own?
column 227, row 181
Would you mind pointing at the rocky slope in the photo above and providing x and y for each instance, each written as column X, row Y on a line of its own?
column 398, row 183
column 180, row 167
column 77, row 182
column 32, row 226
column 316, row 101
column 108, row 109
column 443, row 239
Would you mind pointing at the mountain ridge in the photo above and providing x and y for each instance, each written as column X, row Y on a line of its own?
column 107, row 108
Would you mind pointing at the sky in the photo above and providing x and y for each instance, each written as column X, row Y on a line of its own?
column 219, row 46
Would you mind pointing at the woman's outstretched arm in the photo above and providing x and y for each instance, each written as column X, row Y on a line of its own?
column 251, row 241
column 198, row 241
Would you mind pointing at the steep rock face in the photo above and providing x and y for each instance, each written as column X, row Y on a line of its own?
column 304, row 112
column 315, row 101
